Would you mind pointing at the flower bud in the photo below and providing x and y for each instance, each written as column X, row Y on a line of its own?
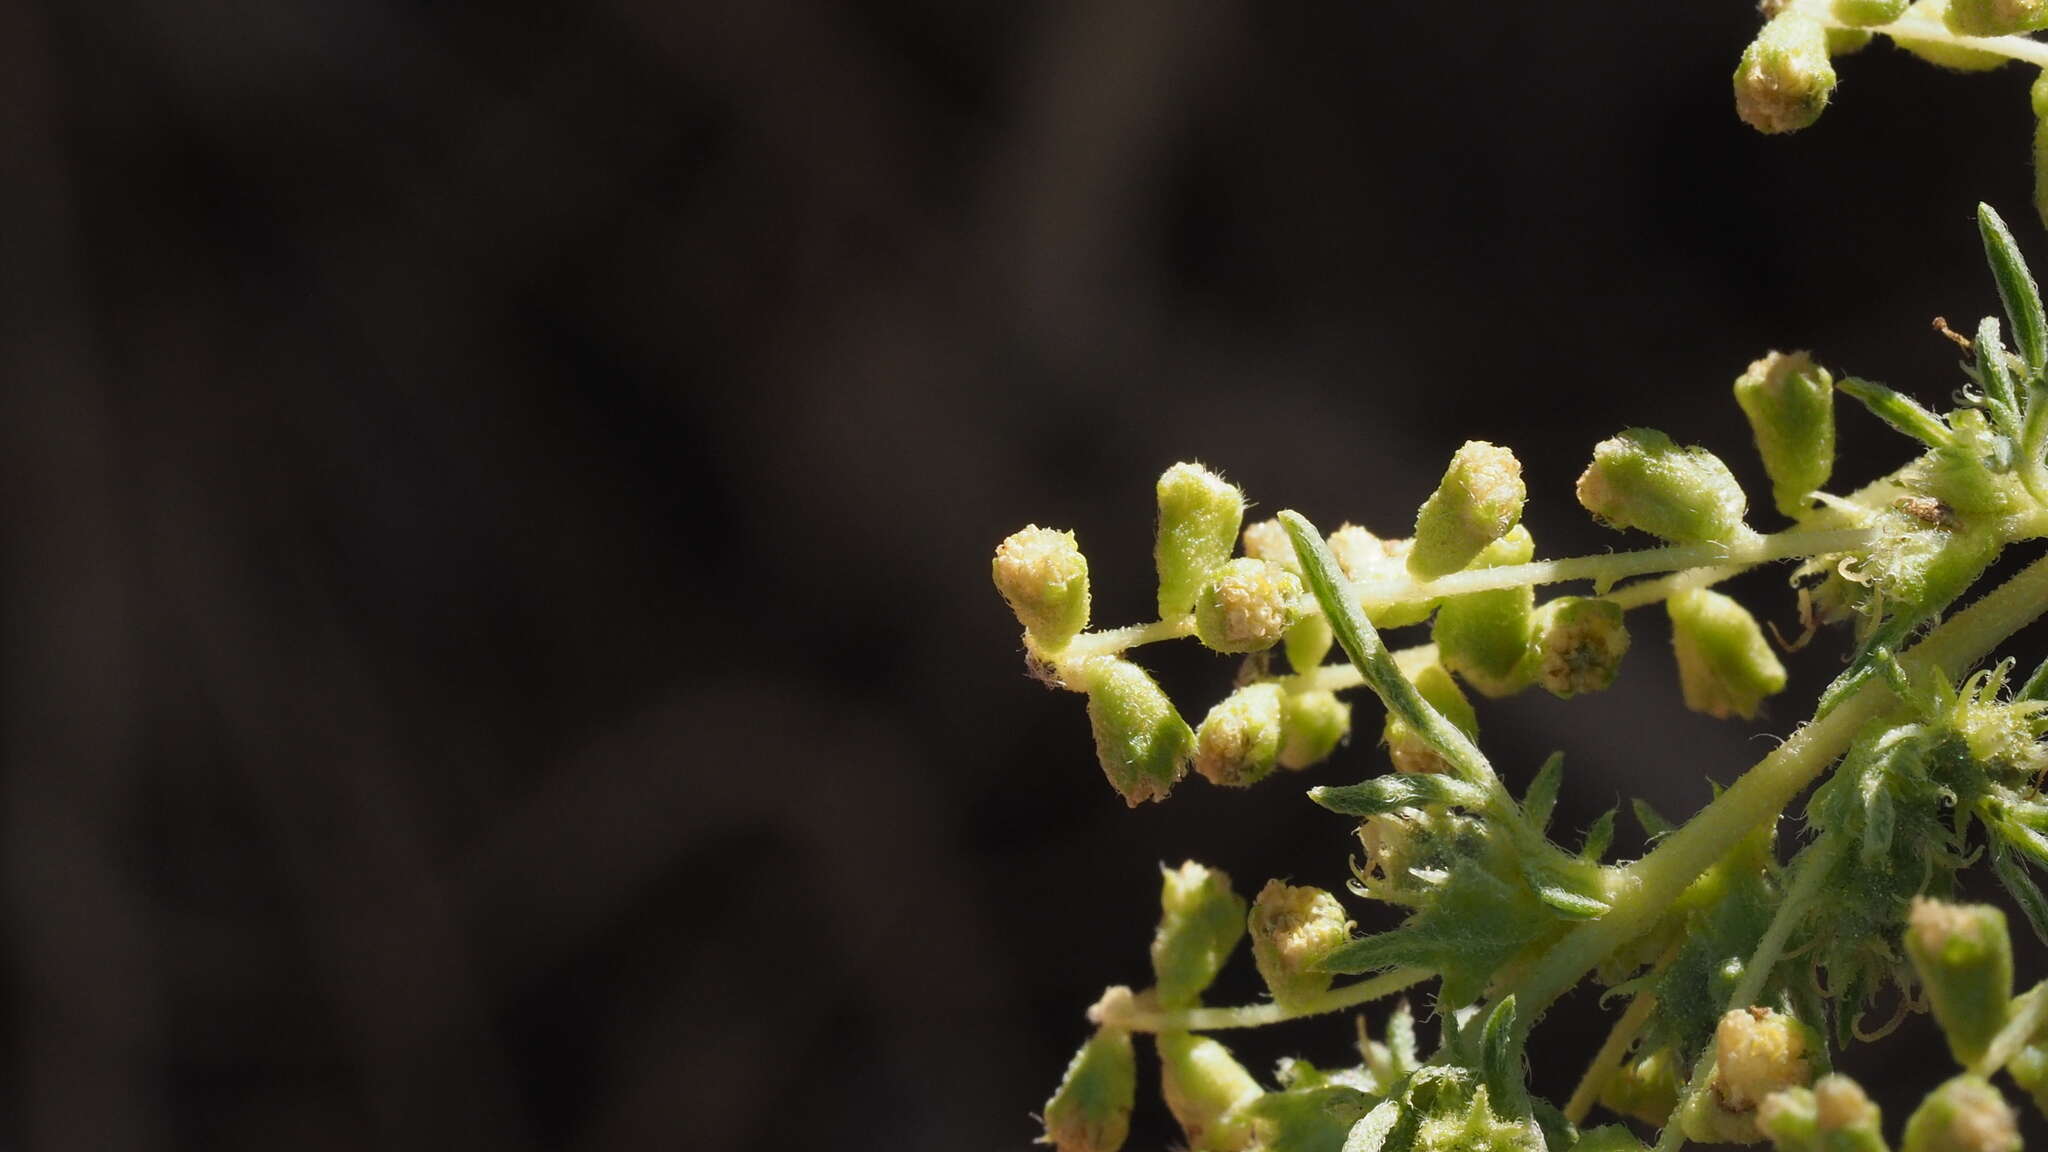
column 1641, row 480
column 1485, row 636
column 1142, row 743
column 1579, row 645
column 1268, row 540
column 1965, row 1114
column 1645, row 1087
column 1312, row 724
column 1478, row 500
column 1206, row 1090
column 1725, row 666
column 1091, row 1110
column 1247, row 605
column 1995, row 17
column 1367, row 559
column 1405, row 747
column 1043, row 575
column 1292, row 928
column 1200, row 923
column 1833, row 1116
column 1783, row 82
column 1790, row 403
column 1869, row 13
column 1756, row 1052
column 1239, row 740
column 1308, row 642
column 1943, row 53
column 1964, row 957
column 1198, row 517
column 2029, row 1070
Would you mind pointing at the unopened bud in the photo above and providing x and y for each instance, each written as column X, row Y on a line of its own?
column 1790, row 403
column 1756, row 1052
column 1406, row 747
column 1869, row 13
column 1645, row 1087
column 1783, row 82
column 1367, row 559
column 1312, row 724
column 1142, row 743
column 1963, row 954
column 1995, row 17
column 1199, row 513
column 1945, row 53
column 1043, row 575
column 2029, row 1070
column 1641, row 480
column 1965, row 1114
column 1200, row 923
column 1247, row 605
column 1479, row 499
column 1268, row 540
column 1485, row 636
column 1579, row 645
column 1833, row 1116
column 1091, row 1110
column 1308, row 642
column 1725, row 665
column 1239, row 741
column 1292, row 929
column 1206, row 1089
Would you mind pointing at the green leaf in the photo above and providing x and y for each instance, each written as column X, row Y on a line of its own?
column 1654, row 825
column 1541, row 797
column 2036, row 687
column 1599, row 837
column 1383, row 794
column 1561, row 897
column 2001, row 398
column 2025, row 892
column 1500, row 1060
column 1898, row 410
column 1361, row 642
column 2015, row 287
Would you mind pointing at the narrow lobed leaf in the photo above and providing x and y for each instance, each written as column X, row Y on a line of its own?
column 1388, row 793
column 2015, row 288
column 1898, row 410
column 1541, row 798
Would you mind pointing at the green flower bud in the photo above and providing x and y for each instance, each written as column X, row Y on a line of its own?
column 1200, row 923
column 1312, row 725
column 1308, row 642
column 1941, row 53
column 1783, row 82
column 1408, row 750
column 1239, row 740
column 1965, row 1114
column 1292, row 928
column 1367, row 559
column 1479, row 499
column 1725, row 666
column 1757, row 1052
column 1199, row 513
column 1267, row 540
column 1247, row 605
column 1995, row 17
column 1485, row 636
column 1964, row 957
column 1207, row 1091
column 1579, row 645
column 1142, row 743
column 1833, row 1116
column 1091, row 1110
column 1869, row 13
column 1045, row 578
column 1645, row 1087
column 1641, row 480
column 2029, row 1070
column 1790, row 403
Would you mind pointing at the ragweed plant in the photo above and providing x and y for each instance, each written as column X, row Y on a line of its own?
column 1740, row 966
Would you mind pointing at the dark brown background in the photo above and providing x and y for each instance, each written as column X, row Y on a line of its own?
column 498, row 650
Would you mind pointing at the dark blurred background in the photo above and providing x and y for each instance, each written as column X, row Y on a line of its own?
column 498, row 643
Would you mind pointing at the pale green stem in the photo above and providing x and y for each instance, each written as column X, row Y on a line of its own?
column 1812, row 872
column 2023, row 1020
column 1916, row 25
column 1136, row 1019
column 1602, row 1069
column 1644, row 891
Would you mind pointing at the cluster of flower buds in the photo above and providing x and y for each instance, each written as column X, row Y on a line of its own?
column 1757, row 1051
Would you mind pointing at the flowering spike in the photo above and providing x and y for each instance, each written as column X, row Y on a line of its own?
column 1044, row 576
column 1199, row 513
column 1477, row 502
column 1142, row 743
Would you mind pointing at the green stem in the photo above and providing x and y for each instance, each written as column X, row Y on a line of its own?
column 1110, row 1009
column 1616, row 1046
column 1916, row 25
column 1644, row 890
column 1812, row 869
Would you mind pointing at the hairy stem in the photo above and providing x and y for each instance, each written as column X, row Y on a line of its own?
column 1122, row 1012
column 1916, row 25
column 1616, row 1046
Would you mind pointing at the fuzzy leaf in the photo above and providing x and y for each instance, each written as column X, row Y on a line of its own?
column 2025, row 892
column 1653, row 823
column 1388, row 793
column 1898, row 410
column 1599, row 837
column 1541, row 798
column 2015, row 288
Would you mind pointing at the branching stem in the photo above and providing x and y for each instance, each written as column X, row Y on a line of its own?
column 1110, row 1011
